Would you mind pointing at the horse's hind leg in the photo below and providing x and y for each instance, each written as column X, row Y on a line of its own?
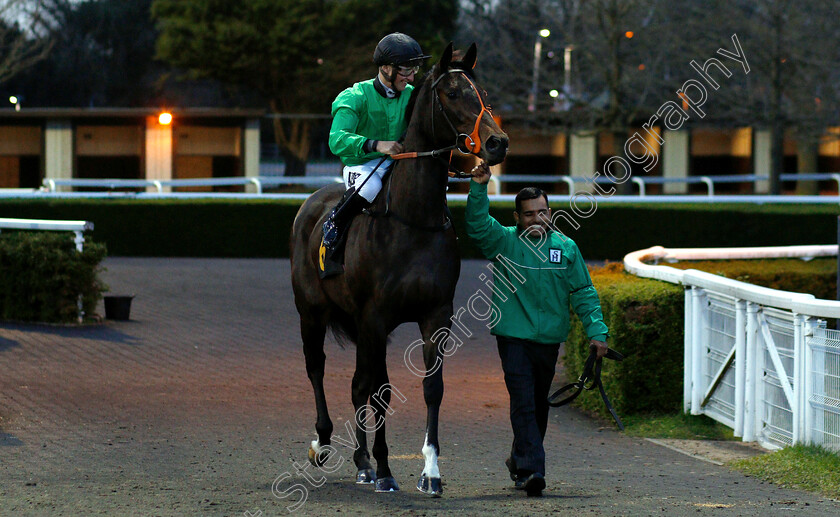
column 312, row 332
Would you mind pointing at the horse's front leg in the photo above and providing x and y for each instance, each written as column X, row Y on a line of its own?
column 435, row 331
column 361, row 391
column 381, row 403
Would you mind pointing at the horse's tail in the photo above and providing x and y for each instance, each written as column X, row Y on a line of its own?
column 343, row 328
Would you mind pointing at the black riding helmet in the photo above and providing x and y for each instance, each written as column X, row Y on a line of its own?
column 398, row 49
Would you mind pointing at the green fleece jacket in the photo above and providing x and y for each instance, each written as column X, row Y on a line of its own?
column 361, row 113
column 536, row 281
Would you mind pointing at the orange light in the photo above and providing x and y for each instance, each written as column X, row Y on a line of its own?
column 642, row 66
column 165, row 118
column 628, row 34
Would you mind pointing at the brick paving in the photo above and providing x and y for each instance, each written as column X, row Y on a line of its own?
column 200, row 402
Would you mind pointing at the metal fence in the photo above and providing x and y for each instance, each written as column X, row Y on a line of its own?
column 758, row 360
column 323, row 174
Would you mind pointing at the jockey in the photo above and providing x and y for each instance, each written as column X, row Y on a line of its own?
column 369, row 119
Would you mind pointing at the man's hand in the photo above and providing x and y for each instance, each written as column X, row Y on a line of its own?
column 388, row 147
column 481, row 174
column 600, row 347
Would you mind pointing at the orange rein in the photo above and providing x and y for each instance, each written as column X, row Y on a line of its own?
column 415, row 154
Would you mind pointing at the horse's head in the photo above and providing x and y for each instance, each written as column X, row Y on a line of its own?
column 462, row 104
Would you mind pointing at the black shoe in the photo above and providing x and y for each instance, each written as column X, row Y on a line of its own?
column 511, row 466
column 532, row 484
column 340, row 218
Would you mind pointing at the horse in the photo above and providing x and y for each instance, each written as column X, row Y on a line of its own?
column 401, row 265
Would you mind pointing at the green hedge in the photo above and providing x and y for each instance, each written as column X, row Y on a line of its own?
column 174, row 228
column 645, row 318
column 817, row 277
column 42, row 275
column 260, row 228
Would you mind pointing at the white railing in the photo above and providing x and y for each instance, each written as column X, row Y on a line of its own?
column 758, row 360
column 642, row 182
column 261, row 182
column 77, row 227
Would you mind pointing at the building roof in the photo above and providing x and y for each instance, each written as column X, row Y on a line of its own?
column 100, row 113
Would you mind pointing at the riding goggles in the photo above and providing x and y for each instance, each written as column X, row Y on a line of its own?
column 408, row 71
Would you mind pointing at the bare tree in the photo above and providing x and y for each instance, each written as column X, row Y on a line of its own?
column 792, row 49
column 602, row 61
column 23, row 35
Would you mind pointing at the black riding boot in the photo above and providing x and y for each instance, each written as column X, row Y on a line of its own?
column 335, row 230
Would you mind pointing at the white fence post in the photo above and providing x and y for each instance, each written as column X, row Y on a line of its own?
column 740, row 364
column 698, row 332
column 759, row 367
column 809, row 366
column 798, row 377
column 688, row 348
column 751, row 372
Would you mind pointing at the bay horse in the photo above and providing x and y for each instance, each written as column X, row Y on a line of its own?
column 401, row 265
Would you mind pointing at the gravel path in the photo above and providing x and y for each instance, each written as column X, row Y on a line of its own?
column 200, row 405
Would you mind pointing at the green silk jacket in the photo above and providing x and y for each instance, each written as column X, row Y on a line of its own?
column 361, row 113
column 548, row 275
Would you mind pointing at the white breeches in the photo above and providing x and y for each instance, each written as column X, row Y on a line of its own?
column 365, row 175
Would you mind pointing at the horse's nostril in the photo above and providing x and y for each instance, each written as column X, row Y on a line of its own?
column 497, row 145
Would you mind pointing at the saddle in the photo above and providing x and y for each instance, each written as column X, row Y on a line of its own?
column 591, row 372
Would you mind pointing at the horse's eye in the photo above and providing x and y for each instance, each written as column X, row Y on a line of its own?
column 453, row 94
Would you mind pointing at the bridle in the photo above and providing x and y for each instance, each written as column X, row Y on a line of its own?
column 464, row 143
column 472, row 142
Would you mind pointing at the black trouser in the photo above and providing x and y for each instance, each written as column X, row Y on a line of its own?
column 529, row 370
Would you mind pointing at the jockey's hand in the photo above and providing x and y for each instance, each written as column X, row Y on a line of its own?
column 389, row 147
column 481, row 173
column 599, row 346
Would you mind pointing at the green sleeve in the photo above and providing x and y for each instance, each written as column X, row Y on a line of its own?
column 344, row 141
column 486, row 232
column 584, row 299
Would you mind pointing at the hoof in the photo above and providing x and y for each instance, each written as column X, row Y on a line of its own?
column 317, row 460
column 431, row 486
column 388, row 484
column 365, row 477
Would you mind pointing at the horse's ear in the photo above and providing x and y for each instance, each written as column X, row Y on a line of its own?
column 446, row 58
column 469, row 57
